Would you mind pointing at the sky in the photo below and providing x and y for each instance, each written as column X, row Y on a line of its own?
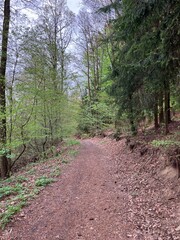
column 74, row 5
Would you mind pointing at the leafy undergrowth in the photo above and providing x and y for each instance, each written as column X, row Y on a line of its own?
column 19, row 189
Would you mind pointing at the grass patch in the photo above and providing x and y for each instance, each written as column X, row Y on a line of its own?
column 164, row 143
column 56, row 172
column 10, row 211
column 31, row 171
column 71, row 142
column 21, row 179
column 64, row 161
column 73, row 152
column 10, row 190
column 14, row 197
column 43, row 181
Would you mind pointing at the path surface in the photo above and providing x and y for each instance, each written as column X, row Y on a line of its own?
column 84, row 204
column 106, row 193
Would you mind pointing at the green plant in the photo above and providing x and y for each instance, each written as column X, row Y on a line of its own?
column 72, row 142
column 56, row 172
column 4, row 151
column 65, row 161
column 10, row 190
column 43, row 181
column 8, row 180
column 164, row 143
column 31, row 171
column 73, row 152
column 21, row 179
column 6, row 216
column 35, row 192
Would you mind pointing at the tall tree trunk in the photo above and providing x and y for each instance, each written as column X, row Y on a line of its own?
column 161, row 108
column 88, row 70
column 166, row 106
column 156, row 124
column 131, row 117
column 5, row 32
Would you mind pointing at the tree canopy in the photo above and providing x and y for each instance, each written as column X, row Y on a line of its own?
column 116, row 63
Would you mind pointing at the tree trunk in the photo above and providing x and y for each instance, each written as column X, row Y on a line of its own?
column 156, row 124
column 88, row 70
column 5, row 32
column 161, row 108
column 169, row 107
column 166, row 106
column 131, row 117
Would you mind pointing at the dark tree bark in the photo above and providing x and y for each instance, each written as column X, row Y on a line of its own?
column 131, row 117
column 169, row 107
column 161, row 108
column 5, row 32
column 156, row 124
column 166, row 106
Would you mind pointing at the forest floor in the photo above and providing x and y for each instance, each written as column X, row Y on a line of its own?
column 108, row 192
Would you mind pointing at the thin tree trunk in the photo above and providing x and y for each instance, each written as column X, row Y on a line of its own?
column 62, row 71
column 131, row 117
column 169, row 107
column 166, row 106
column 5, row 32
column 156, row 124
column 161, row 108
column 88, row 71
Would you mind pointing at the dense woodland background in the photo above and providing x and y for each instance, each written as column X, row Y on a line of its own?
column 115, row 63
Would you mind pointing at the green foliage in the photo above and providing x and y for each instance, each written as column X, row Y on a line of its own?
column 43, row 181
column 31, row 171
column 5, row 152
column 165, row 143
column 21, row 179
column 8, row 190
column 71, row 142
column 10, row 211
column 96, row 116
column 13, row 179
column 73, row 152
column 56, row 172
column 144, row 55
column 41, row 106
column 64, row 161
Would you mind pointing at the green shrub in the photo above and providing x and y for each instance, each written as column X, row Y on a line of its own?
column 43, row 181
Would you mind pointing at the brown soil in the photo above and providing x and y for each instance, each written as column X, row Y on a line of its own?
column 106, row 193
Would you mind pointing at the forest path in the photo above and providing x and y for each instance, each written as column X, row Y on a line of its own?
column 83, row 204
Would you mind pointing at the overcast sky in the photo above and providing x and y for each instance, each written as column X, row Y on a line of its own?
column 74, row 5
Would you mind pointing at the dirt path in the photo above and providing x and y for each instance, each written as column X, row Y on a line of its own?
column 106, row 193
column 83, row 204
